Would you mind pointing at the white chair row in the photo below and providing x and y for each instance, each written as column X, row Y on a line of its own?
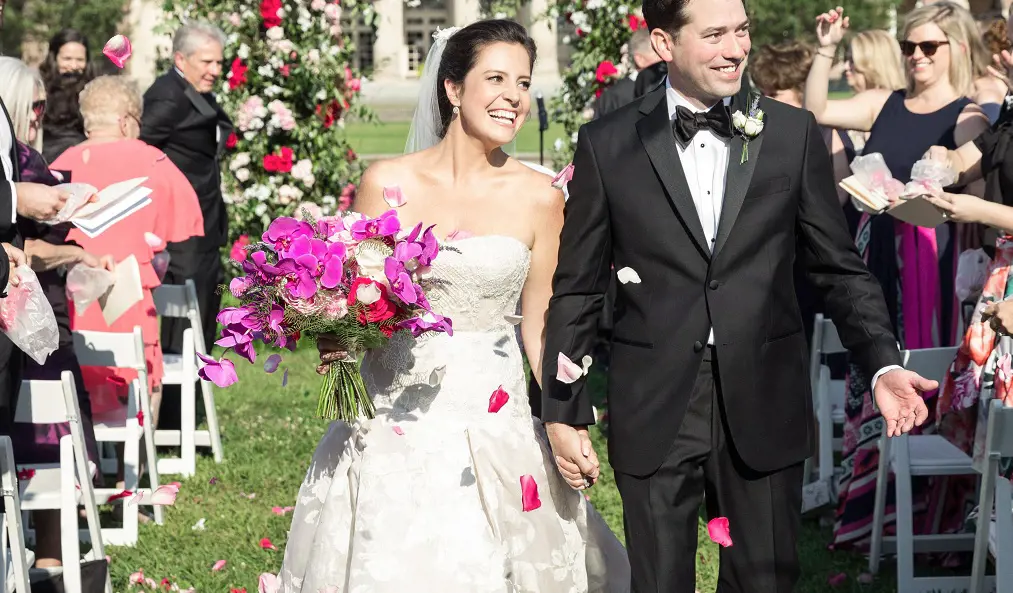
column 828, row 400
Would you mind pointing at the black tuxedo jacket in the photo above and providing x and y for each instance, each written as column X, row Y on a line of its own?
column 10, row 359
column 630, row 206
column 184, row 123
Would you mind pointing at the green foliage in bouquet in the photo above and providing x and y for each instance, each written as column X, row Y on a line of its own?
column 288, row 86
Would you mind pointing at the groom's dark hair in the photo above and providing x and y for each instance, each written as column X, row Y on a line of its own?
column 668, row 15
column 462, row 51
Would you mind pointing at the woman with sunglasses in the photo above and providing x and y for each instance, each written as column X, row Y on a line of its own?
column 932, row 110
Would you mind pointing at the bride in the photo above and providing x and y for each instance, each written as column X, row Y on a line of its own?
column 428, row 496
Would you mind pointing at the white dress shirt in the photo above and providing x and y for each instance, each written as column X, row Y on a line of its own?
column 705, row 164
column 6, row 147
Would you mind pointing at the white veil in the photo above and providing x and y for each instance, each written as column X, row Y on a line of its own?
column 426, row 123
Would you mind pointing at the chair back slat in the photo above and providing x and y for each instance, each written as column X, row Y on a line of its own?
column 830, row 342
column 110, row 349
column 41, row 402
column 171, row 300
column 1000, row 429
column 931, row 363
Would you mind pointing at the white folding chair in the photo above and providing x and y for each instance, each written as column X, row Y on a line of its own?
column 66, row 485
column 995, row 537
column 908, row 456
column 124, row 350
column 828, row 399
column 12, row 521
column 180, row 301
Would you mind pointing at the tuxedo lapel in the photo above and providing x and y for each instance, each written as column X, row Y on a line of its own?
column 655, row 131
column 738, row 177
column 199, row 102
column 15, row 161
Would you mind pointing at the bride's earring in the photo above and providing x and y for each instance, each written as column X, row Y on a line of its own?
column 457, row 110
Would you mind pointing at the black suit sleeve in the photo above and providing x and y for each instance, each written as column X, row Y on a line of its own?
column 578, row 288
column 6, row 205
column 5, row 274
column 852, row 296
column 161, row 114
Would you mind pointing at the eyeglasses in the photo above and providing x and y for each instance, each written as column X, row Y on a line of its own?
column 39, row 108
column 928, row 47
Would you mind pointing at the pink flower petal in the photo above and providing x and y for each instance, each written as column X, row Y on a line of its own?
column 118, row 50
column 265, row 543
column 865, row 578
column 268, row 583
column 284, row 379
column 458, row 234
column 26, row 474
column 563, row 177
column 394, row 196
column 165, row 495
column 218, row 566
column 837, row 580
column 119, row 496
column 137, row 578
column 498, row 399
column 529, row 494
column 140, row 418
column 567, row 371
column 281, row 511
column 213, row 481
column 398, row 431
column 272, row 362
column 717, row 530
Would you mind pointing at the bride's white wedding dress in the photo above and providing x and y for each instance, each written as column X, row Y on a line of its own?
column 427, row 496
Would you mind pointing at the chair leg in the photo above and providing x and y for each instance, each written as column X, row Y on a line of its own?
column 152, row 465
column 905, row 518
column 879, row 508
column 70, row 546
column 985, row 501
column 188, row 428
column 131, row 465
column 212, row 417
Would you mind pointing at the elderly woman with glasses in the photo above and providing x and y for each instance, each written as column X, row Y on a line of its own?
column 111, row 107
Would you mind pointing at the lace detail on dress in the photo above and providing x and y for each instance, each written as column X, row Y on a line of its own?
column 427, row 496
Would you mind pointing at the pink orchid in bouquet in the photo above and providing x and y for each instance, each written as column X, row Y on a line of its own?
column 354, row 279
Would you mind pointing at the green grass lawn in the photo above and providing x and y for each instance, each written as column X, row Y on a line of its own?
column 389, row 137
column 269, row 434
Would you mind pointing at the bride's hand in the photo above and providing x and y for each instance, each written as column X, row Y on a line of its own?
column 330, row 351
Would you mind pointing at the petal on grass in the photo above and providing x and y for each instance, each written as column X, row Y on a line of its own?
column 272, row 362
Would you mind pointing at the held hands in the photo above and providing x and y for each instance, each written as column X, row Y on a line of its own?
column 330, row 351
column 898, row 396
column 830, row 27
column 575, row 456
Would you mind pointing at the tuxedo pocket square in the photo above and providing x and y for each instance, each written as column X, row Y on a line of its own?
column 769, row 186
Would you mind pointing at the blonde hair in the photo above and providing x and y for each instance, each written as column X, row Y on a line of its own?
column 108, row 98
column 948, row 16
column 20, row 84
column 876, row 55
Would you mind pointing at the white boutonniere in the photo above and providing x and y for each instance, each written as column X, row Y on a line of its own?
column 748, row 126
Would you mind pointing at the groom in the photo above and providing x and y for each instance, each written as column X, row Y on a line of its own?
column 709, row 397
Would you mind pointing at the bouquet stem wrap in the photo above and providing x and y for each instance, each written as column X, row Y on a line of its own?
column 343, row 394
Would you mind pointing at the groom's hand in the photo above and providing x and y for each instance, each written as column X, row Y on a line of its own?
column 899, row 398
column 575, row 456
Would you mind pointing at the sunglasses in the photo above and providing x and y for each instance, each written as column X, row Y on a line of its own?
column 39, row 108
column 928, row 47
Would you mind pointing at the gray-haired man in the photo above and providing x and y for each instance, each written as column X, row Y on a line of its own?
column 182, row 118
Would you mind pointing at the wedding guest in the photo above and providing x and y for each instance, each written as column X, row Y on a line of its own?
column 182, row 118
column 65, row 71
column 49, row 255
column 872, row 61
column 920, row 294
column 111, row 106
column 986, row 90
column 650, row 71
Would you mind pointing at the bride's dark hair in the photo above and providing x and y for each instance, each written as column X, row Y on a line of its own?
column 462, row 51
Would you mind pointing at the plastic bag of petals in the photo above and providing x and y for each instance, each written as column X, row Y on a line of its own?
column 86, row 284
column 26, row 317
column 929, row 177
column 876, row 182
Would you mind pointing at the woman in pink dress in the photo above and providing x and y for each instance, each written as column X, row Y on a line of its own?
column 111, row 107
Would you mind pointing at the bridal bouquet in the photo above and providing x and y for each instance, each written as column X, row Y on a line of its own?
column 354, row 278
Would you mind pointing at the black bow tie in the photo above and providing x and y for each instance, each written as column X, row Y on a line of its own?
column 687, row 123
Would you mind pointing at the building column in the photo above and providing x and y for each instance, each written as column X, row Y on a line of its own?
column 466, row 12
column 145, row 16
column 390, row 56
column 546, row 40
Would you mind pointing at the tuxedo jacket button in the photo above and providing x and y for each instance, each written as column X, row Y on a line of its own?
column 697, row 346
column 714, row 285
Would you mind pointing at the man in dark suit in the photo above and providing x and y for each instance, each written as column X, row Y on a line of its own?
column 182, row 118
column 709, row 399
column 650, row 71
